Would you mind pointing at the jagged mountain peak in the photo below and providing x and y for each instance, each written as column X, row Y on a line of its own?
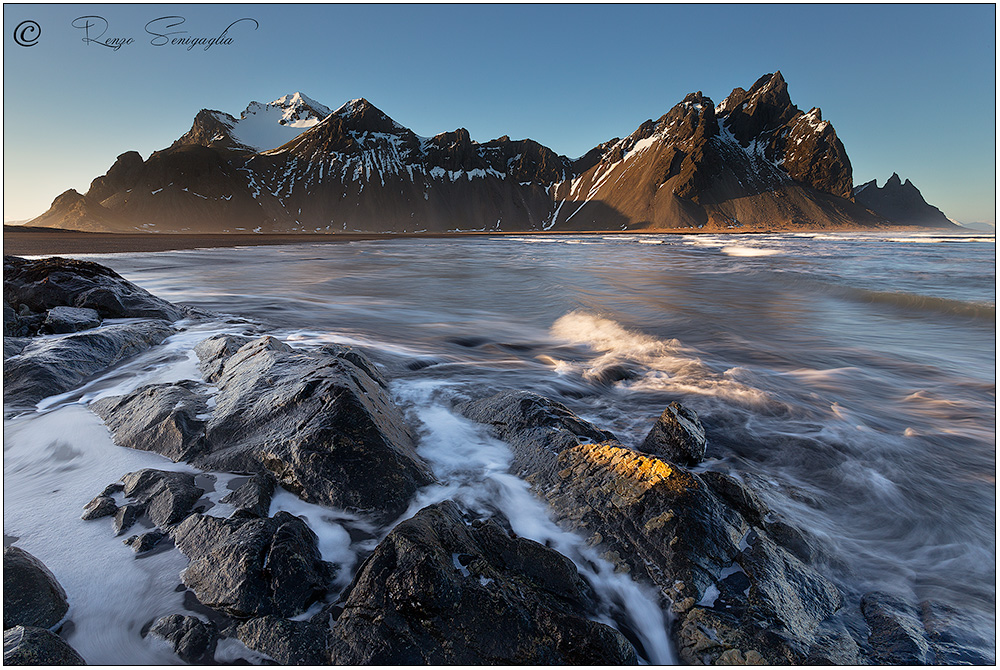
column 361, row 115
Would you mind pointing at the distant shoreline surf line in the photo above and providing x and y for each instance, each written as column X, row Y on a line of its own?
column 41, row 241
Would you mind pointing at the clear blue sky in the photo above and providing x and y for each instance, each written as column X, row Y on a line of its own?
column 909, row 88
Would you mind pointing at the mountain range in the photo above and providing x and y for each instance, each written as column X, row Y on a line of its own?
column 754, row 161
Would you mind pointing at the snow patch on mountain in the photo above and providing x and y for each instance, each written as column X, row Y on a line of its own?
column 262, row 127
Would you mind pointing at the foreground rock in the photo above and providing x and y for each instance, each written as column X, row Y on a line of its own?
column 28, row 645
column 319, row 423
column 439, row 591
column 45, row 283
column 47, row 367
column 287, row 642
column 163, row 418
column 31, row 594
column 192, row 639
column 739, row 596
column 247, row 567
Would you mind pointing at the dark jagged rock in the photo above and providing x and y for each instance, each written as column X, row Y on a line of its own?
column 126, row 516
column 692, row 535
column 319, row 423
column 167, row 497
column 163, row 418
column 53, row 282
column 253, row 497
column 247, row 567
column 192, row 639
column 287, row 642
column 439, row 591
column 29, row 645
column 677, row 435
column 536, row 427
column 897, row 634
column 99, row 507
column 51, row 366
column 901, row 202
column 31, row 594
column 70, row 319
column 145, row 542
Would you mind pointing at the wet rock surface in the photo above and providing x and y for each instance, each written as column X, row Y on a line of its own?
column 55, row 365
column 163, row 418
column 29, row 645
column 318, row 423
column 248, row 567
column 70, row 319
column 677, row 436
column 61, row 282
column 739, row 595
column 438, row 590
column 930, row 633
column 192, row 639
column 287, row 642
column 253, row 497
column 535, row 427
column 31, row 594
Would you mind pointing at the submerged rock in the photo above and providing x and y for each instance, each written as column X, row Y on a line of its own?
column 439, row 591
column 320, row 424
column 897, row 635
column 248, row 567
column 192, row 639
column 29, row 645
column 677, row 435
column 61, row 282
column 163, row 418
column 31, row 594
column 55, row 365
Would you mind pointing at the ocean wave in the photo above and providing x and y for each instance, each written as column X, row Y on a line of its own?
column 925, row 303
column 749, row 252
column 662, row 364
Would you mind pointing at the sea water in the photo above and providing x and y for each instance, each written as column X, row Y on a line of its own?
column 849, row 378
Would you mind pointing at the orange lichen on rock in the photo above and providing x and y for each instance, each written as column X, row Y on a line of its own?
column 633, row 473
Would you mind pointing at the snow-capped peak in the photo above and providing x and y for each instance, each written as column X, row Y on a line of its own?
column 262, row 127
column 299, row 100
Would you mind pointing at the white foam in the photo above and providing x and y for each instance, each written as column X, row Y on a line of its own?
column 665, row 364
column 54, row 463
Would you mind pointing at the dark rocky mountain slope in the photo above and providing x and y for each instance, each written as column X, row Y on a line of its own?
column 755, row 161
column 901, row 202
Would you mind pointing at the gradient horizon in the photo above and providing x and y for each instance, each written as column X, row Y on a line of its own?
column 909, row 88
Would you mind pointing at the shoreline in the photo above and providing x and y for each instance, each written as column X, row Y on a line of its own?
column 40, row 241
